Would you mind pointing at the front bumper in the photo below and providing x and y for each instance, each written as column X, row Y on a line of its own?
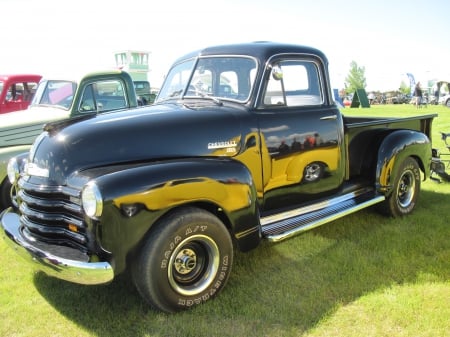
column 80, row 272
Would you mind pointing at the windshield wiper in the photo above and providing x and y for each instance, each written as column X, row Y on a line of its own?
column 175, row 93
column 213, row 98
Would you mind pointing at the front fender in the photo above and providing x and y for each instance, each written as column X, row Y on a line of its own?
column 396, row 147
column 7, row 153
column 135, row 198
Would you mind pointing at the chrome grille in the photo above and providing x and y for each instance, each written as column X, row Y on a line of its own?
column 52, row 215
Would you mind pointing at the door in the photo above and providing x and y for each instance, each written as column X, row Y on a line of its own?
column 301, row 133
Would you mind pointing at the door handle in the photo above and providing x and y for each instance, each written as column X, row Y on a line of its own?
column 326, row 118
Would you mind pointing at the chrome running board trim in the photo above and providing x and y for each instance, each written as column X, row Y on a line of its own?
column 282, row 226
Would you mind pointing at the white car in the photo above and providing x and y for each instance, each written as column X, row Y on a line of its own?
column 445, row 100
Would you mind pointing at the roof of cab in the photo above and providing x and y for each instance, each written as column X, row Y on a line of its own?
column 20, row 77
column 262, row 50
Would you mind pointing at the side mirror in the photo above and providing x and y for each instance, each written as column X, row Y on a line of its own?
column 277, row 73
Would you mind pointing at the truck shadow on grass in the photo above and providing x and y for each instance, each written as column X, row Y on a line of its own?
column 284, row 289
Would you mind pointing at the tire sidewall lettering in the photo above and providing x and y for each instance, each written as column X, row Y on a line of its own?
column 222, row 273
column 190, row 230
column 414, row 170
column 185, row 260
column 210, row 292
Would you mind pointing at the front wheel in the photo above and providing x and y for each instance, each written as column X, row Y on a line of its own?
column 6, row 195
column 186, row 260
column 405, row 190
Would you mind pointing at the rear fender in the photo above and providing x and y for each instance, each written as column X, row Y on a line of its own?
column 147, row 192
column 394, row 149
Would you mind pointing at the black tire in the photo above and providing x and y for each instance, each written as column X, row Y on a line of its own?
column 5, row 194
column 185, row 261
column 405, row 191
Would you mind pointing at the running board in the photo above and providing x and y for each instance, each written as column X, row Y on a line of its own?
column 284, row 225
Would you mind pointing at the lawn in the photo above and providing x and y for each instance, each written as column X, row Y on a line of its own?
column 362, row 275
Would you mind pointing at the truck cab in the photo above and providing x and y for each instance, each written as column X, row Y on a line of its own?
column 17, row 91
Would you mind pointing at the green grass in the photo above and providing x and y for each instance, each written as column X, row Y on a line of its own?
column 363, row 275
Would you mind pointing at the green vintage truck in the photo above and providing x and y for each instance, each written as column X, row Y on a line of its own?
column 59, row 100
column 144, row 92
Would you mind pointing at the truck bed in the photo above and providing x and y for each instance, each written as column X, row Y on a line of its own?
column 355, row 124
column 363, row 134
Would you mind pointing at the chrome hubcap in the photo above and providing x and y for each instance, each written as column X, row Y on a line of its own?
column 185, row 261
column 406, row 189
column 194, row 264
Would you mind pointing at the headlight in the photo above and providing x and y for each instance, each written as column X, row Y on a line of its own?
column 12, row 170
column 92, row 200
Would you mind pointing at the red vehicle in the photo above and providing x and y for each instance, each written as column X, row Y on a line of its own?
column 16, row 91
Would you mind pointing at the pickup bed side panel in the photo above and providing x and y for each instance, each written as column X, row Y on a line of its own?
column 394, row 149
column 134, row 199
column 365, row 135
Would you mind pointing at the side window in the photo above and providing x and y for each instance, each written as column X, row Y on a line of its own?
column 21, row 92
column 11, row 94
column 15, row 93
column 29, row 89
column 294, row 83
column 87, row 100
column 103, row 96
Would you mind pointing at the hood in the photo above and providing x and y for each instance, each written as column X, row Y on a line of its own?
column 22, row 127
column 137, row 136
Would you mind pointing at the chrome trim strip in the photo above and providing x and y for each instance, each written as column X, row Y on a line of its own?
column 319, row 222
column 314, row 207
column 50, row 189
column 332, row 117
column 47, row 216
column 70, row 270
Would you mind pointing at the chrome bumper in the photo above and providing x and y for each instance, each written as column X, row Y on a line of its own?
column 65, row 269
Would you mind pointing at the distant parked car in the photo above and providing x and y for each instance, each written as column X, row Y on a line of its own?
column 57, row 100
column 143, row 92
column 445, row 100
column 17, row 91
column 347, row 101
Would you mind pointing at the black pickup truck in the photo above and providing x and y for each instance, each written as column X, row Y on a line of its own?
column 244, row 143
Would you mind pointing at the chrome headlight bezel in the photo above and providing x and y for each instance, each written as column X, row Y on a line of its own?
column 92, row 200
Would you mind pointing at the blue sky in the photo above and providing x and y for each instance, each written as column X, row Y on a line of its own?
column 388, row 38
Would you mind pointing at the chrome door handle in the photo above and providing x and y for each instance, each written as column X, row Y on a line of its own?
column 326, row 118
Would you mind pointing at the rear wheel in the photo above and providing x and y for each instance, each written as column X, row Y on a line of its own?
column 405, row 190
column 185, row 261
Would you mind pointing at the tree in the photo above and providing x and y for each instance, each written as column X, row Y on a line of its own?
column 404, row 88
column 356, row 78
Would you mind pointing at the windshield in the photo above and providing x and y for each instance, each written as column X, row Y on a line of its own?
column 57, row 93
column 219, row 77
